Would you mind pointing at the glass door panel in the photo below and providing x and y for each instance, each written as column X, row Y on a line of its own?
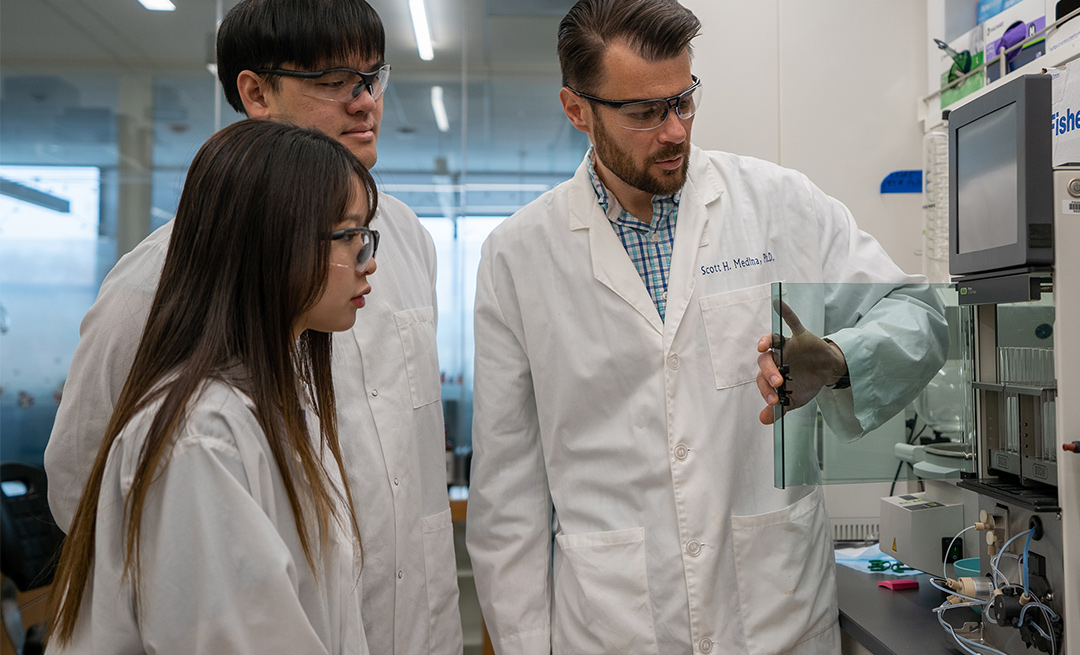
column 930, row 437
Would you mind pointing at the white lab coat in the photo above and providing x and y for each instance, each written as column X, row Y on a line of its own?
column 222, row 568
column 386, row 377
column 636, row 442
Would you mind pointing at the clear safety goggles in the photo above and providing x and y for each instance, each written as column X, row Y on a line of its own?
column 651, row 114
column 338, row 84
column 367, row 240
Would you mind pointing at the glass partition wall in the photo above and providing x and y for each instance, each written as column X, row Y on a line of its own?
column 102, row 108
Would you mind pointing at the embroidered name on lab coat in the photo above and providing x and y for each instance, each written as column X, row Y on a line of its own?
column 737, row 263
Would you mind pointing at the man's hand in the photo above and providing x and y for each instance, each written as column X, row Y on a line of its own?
column 813, row 363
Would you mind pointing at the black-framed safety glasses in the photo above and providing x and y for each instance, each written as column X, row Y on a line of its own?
column 650, row 114
column 369, row 245
column 338, row 84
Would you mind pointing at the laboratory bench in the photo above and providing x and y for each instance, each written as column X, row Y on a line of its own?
column 881, row 621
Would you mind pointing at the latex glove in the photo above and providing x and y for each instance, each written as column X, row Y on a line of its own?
column 812, row 363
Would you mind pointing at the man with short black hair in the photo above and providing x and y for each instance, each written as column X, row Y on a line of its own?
column 622, row 495
column 318, row 64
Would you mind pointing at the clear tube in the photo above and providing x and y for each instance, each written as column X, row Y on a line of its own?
column 935, row 250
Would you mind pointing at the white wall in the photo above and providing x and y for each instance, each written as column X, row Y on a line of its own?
column 828, row 87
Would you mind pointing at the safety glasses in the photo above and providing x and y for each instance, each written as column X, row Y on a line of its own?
column 651, row 114
column 367, row 239
column 338, row 84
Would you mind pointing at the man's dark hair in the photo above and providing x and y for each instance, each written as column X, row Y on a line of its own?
column 307, row 34
column 655, row 29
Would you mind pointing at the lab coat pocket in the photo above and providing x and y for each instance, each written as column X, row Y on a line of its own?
column 785, row 574
column 734, row 321
column 416, row 328
column 602, row 602
column 442, row 590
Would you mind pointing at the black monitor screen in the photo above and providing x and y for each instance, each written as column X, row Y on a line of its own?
column 986, row 181
column 1001, row 209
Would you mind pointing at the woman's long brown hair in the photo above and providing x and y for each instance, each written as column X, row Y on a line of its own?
column 245, row 260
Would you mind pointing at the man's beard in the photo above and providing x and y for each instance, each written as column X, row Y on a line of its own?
column 619, row 162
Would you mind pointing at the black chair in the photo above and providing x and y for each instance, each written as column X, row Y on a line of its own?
column 30, row 545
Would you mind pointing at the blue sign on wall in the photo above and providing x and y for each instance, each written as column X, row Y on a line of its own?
column 902, row 182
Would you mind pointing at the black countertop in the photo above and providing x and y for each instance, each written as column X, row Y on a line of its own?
column 888, row 622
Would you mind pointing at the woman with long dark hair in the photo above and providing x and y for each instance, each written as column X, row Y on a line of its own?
column 216, row 519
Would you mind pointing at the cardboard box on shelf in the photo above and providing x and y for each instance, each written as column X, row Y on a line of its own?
column 1009, row 28
column 970, row 42
column 1065, row 118
column 1065, row 33
column 987, row 9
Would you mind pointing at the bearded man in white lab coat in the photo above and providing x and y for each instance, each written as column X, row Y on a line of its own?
column 622, row 495
column 272, row 61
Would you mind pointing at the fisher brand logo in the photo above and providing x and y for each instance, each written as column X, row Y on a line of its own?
column 1064, row 121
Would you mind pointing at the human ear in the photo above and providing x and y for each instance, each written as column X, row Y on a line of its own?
column 576, row 112
column 255, row 93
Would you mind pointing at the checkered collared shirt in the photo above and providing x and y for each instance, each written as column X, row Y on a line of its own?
column 649, row 246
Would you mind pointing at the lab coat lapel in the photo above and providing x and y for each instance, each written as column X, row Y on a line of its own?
column 702, row 188
column 611, row 265
column 388, row 249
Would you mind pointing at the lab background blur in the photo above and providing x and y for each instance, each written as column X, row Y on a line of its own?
column 103, row 104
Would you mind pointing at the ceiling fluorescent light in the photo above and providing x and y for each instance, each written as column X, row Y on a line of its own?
column 439, row 108
column 420, row 27
column 158, row 5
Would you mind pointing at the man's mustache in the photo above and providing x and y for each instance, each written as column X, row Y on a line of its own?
column 672, row 151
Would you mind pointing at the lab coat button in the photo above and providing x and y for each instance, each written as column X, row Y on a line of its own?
column 400, row 574
column 374, row 392
column 673, row 362
column 395, row 482
column 694, row 548
column 705, row 645
column 681, row 452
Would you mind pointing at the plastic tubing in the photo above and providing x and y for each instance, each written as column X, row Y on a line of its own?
column 996, row 558
column 1027, row 545
column 1051, row 617
column 963, row 641
column 945, row 560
